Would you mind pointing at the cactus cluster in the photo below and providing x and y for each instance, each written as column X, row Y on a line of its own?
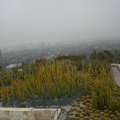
column 88, row 112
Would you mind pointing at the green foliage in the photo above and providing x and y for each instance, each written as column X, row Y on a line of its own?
column 104, row 55
column 94, row 55
column 45, row 80
column 72, row 57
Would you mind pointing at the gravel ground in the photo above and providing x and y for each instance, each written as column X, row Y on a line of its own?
column 64, row 110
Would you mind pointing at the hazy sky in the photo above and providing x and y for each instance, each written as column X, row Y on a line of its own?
column 25, row 21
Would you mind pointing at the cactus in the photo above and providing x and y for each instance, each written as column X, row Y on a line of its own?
column 77, row 114
column 112, row 116
column 86, row 118
column 115, row 118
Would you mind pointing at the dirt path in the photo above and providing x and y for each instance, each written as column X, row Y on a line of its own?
column 116, row 73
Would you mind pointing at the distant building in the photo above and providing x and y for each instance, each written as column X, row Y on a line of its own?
column 20, row 70
column 13, row 65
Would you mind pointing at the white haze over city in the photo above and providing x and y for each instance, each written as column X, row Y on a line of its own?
column 34, row 21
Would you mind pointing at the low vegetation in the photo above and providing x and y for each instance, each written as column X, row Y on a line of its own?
column 53, row 80
column 83, row 109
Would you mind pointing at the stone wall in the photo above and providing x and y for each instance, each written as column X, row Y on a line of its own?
column 113, row 64
column 119, row 67
column 116, row 65
column 28, row 114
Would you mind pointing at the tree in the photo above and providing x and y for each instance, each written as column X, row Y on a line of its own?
column 93, row 55
column 83, row 56
column 116, row 56
column 101, row 56
column 108, row 55
column 1, row 68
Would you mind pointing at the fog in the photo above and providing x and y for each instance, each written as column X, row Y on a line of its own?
column 33, row 21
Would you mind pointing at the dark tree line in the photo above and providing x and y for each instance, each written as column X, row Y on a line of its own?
column 71, row 57
column 110, row 56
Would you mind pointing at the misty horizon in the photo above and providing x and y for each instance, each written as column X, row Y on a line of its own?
column 63, row 21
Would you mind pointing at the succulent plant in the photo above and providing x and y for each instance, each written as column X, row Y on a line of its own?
column 87, row 100
column 87, row 96
column 87, row 112
column 74, row 109
column 77, row 105
column 91, row 101
column 86, row 118
column 106, row 111
column 83, row 96
column 81, row 119
column 77, row 114
column 82, row 99
column 105, row 107
column 84, row 102
column 102, row 118
column 97, row 115
column 97, row 112
column 78, row 100
column 107, row 119
column 90, row 105
column 76, row 118
column 87, row 104
column 92, row 114
column 106, row 115
column 96, row 118
column 112, row 116
column 92, row 117
column 118, row 114
column 115, row 118
column 71, row 113
column 73, row 105
column 110, row 112
column 85, row 109
column 90, row 111
column 81, row 107
column 93, row 110
column 81, row 116
column 78, row 110
column 102, row 113
column 90, row 108
column 72, row 118
column 84, row 113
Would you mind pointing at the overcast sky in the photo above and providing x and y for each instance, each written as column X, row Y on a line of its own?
column 25, row 21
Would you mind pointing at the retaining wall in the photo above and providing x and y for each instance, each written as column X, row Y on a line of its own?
column 118, row 67
column 28, row 114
